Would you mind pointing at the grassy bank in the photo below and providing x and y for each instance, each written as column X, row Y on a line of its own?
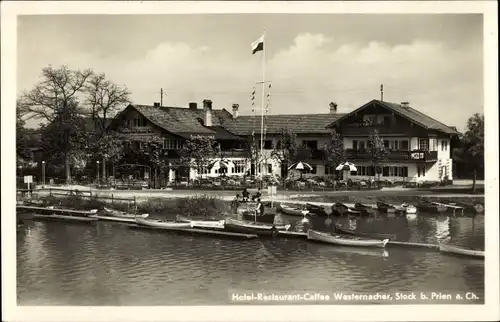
column 389, row 199
column 199, row 206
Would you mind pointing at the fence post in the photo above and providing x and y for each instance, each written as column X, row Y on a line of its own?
column 112, row 201
column 50, row 192
column 135, row 203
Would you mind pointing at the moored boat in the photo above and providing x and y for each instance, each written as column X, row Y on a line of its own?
column 209, row 224
column 460, row 251
column 409, row 209
column 341, row 209
column 385, row 207
column 443, row 207
column 317, row 209
column 142, row 220
column 240, row 226
column 345, row 231
column 429, row 207
column 345, row 240
column 292, row 211
column 57, row 217
column 364, row 209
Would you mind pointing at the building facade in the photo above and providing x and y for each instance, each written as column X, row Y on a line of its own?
column 419, row 146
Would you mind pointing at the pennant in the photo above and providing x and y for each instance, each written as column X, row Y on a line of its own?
column 258, row 45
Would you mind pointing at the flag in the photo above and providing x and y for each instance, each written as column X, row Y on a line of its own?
column 258, row 45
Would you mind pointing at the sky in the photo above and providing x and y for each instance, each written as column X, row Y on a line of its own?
column 434, row 61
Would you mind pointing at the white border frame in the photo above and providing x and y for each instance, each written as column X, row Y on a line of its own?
column 489, row 311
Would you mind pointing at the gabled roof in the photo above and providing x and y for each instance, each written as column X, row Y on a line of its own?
column 298, row 123
column 409, row 113
column 184, row 121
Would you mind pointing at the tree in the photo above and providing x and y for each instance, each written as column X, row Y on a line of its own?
column 109, row 148
column 471, row 152
column 333, row 150
column 54, row 100
column 103, row 99
column 198, row 152
column 286, row 148
column 152, row 154
column 377, row 151
column 21, row 137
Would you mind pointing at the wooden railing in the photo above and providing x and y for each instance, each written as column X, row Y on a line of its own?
column 414, row 155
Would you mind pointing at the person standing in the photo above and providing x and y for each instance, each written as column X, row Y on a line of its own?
column 260, row 208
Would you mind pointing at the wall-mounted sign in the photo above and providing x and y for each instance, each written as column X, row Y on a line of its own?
column 417, row 156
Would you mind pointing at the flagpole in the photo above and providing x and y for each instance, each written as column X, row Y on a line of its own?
column 262, row 102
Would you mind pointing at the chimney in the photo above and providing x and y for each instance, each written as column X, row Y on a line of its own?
column 405, row 104
column 333, row 108
column 193, row 106
column 156, row 104
column 207, row 107
column 235, row 110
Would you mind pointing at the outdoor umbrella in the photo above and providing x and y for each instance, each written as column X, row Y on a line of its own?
column 346, row 166
column 300, row 166
column 221, row 164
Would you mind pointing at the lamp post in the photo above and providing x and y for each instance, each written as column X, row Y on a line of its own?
column 97, row 173
column 43, row 173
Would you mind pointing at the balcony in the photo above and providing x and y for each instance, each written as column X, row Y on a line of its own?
column 365, row 130
column 235, row 153
column 414, row 155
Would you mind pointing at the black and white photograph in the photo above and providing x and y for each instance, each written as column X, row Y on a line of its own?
column 281, row 161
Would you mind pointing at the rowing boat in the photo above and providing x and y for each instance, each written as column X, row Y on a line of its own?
column 159, row 223
column 363, row 209
column 385, row 207
column 64, row 218
column 461, row 251
column 241, row 226
column 342, row 209
column 345, row 231
column 292, row 211
column 317, row 209
column 430, row 207
column 344, row 240
column 210, row 224
column 409, row 209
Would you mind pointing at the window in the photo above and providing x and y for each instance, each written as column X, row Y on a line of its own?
column 403, row 145
column 423, row 144
column 329, row 170
column 311, row 144
column 355, row 145
column 140, row 122
column 387, row 120
column 421, row 170
column 444, row 145
column 361, row 145
column 239, row 166
column 386, row 144
column 313, row 171
column 385, row 171
column 268, row 144
column 403, row 171
column 269, row 168
column 172, row 144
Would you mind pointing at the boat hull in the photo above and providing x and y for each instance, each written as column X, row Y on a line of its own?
column 290, row 211
column 461, row 251
column 340, row 230
column 162, row 224
column 207, row 224
column 341, row 240
column 266, row 218
column 261, row 229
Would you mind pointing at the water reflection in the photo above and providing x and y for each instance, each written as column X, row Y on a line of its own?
column 110, row 264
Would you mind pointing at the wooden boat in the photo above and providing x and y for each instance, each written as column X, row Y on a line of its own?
column 54, row 210
column 363, row 209
column 317, row 209
column 470, row 208
column 345, row 231
column 430, row 207
column 345, row 240
column 460, row 251
column 409, row 209
column 57, row 217
column 160, row 224
column 240, row 226
column 390, row 208
column 291, row 211
column 210, row 224
column 342, row 209
column 449, row 207
column 117, row 213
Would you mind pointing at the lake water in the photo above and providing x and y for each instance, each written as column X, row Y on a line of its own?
column 111, row 264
